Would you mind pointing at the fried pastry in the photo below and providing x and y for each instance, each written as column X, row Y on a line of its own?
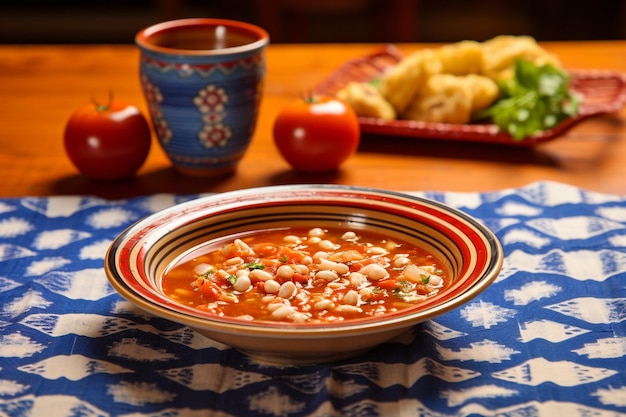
column 402, row 83
column 484, row 90
column 445, row 98
column 501, row 52
column 446, row 84
column 367, row 101
column 461, row 58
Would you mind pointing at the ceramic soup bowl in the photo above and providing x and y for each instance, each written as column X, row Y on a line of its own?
column 138, row 258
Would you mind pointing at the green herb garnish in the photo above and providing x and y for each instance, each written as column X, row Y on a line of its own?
column 537, row 98
column 207, row 274
column 255, row 265
column 404, row 290
column 232, row 279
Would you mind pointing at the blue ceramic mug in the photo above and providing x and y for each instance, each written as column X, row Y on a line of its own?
column 203, row 82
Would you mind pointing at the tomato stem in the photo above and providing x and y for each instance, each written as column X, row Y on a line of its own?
column 309, row 98
column 103, row 107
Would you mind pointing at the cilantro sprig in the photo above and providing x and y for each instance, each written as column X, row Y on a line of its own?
column 537, row 98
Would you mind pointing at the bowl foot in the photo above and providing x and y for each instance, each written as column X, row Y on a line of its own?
column 286, row 359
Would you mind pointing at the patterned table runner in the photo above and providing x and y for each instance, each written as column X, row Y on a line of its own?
column 548, row 338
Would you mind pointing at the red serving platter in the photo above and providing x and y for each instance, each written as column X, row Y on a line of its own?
column 603, row 91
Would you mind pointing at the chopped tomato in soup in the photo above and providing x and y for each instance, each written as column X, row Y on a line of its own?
column 305, row 275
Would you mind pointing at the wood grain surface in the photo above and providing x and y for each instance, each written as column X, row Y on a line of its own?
column 40, row 86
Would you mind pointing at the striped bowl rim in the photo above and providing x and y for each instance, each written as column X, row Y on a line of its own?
column 138, row 257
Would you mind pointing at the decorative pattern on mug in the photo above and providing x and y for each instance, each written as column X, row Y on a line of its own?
column 204, row 70
column 210, row 102
column 154, row 99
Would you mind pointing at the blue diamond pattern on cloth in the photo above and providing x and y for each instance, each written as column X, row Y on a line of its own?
column 547, row 338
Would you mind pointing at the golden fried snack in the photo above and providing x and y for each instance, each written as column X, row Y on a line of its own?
column 484, row 90
column 445, row 98
column 367, row 101
column 461, row 58
column 501, row 52
column 447, row 84
column 402, row 83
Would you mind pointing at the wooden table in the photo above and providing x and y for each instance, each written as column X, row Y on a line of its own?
column 40, row 86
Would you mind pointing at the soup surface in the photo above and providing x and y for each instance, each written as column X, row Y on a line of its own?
column 305, row 275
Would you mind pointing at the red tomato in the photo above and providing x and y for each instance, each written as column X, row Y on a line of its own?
column 107, row 142
column 317, row 134
column 210, row 290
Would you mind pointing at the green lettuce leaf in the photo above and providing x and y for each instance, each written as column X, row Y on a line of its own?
column 537, row 98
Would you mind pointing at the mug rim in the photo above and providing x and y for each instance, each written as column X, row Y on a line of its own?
column 142, row 37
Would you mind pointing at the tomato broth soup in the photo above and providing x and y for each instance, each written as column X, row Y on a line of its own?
column 305, row 275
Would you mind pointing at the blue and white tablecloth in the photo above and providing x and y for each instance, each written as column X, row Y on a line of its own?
column 548, row 338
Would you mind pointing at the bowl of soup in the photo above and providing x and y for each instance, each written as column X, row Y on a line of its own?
column 304, row 274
